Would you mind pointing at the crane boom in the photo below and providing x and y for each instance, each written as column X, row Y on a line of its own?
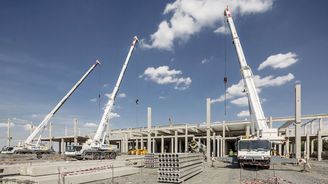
column 111, row 100
column 59, row 105
column 248, row 78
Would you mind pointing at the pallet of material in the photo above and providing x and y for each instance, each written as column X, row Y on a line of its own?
column 151, row 160
column 177, row 168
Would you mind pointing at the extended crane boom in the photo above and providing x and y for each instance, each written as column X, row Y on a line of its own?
column 96, row 148
column 58, row 106
column 110, row 103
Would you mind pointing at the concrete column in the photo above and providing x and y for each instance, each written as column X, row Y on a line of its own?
column 280, row 147
column 223, row 138
column 154, row 143
column 175, row 141
column 312, row 146
column 248, row 129
column 62, row 146
column 8, row 132
column 186, row 139
column 287, row 142
column 298, row 121
column 218, row 147
column 50, row 134
column 172, row 145
column 142, row 142
column 319, row 145
column 208, row 128
column 307, row 148
column 137, row 144
column 221, row 147
column 149, row 129
column 213, row 146
column 126, row 142
column 75, row 131
column 180, row 146
column 162, row 144
column 270, row 122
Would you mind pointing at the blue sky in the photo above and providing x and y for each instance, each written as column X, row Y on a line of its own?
column 45, row 47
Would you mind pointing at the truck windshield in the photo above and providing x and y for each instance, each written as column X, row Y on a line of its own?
column 259, row 145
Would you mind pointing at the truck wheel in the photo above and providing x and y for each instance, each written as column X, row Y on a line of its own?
column 112, row 155
column 39, row 155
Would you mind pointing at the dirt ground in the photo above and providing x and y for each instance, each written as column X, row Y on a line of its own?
column 225, row 173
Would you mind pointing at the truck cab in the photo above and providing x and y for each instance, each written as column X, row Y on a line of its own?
column 254, row 152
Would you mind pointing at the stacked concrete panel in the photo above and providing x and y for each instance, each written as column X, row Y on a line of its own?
column 177, row 168
column 151, row 160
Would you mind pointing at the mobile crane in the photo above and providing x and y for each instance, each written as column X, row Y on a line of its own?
column 28, row 146
column 255, row 150
column 96, row 148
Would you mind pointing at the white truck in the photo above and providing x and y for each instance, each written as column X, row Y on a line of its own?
column 97, row 147
column 254, row 150
column 38, row 148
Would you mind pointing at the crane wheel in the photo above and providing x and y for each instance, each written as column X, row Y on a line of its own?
column 112, row 155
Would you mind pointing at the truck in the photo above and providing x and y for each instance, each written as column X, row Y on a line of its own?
column 30, row 146
column 256, row 149
column 99, row 146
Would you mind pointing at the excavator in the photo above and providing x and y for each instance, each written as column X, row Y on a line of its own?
column 30, row 146
column 97, row 148
column 254, row 150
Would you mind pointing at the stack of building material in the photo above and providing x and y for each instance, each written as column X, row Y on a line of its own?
column 151, row 160
column 176, row 168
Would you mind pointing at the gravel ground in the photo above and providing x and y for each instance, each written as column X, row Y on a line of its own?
column 225, row 173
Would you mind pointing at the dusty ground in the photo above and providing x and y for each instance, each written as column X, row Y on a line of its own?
column 225, row 173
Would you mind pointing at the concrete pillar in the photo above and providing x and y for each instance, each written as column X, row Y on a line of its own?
column 287, row 142
column 172, row 145
column 137, row 144
column 149, row 129
column 50, row 134
column 223, row 138
column 218, row 147
column 280, row 147
column 298, row 121
column 186, row 139
column 319, row 145
column 307, row 148
column 162, row 144
column 142, row 143
column 221, row 147
column 213, row 146
column 126, row 142
column 154, row 143
column 180, row 146
column 270, row 122
column 62, row 146
column 175, row 141
column 248, row 129
column 312, row 146
column 75, row 131
column 208, row 128
column 8, row 132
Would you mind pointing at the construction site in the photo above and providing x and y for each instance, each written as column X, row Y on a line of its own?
column 257, row 149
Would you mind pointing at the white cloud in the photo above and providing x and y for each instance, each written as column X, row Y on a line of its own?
column 241, row 101
column 34, row 115
column 279, row 61
column 90, row 125
column 114, row 115
column 28, row 127
column 105, row 85
column 243, row 114
column 205, row 60
column 237, row 90
column 120, row 95
column 221, row 30
column 93, row 100
column 162, row 97
column 188, row 17
column 5, row 125
column 163, row 75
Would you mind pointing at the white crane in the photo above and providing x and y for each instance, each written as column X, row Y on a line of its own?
column 28, row 145
column 255, row 151
column 95, row 148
